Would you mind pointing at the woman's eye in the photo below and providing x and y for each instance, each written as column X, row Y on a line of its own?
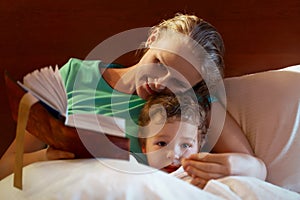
column 161, row 144
column 180, row 83
column 161, row 66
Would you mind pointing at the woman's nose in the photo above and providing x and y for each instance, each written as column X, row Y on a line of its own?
column 155, row 85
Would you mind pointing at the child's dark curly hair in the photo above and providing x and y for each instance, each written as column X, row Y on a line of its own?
column 162, row 108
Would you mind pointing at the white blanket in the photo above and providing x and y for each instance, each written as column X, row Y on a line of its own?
column 118, row 179
column 97, row 179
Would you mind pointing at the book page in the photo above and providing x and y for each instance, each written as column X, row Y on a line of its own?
column 85, row 132
column 54, row 79
column 46, row 84
column 98, row 123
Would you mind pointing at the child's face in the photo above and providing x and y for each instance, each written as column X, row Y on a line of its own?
column 174, row 141
column 166, row 66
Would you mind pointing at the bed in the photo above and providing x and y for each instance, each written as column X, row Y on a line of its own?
column 262, row 47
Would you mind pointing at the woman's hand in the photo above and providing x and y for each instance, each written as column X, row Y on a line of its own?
column 55, row 154
column 205, row 166
column 34, row 151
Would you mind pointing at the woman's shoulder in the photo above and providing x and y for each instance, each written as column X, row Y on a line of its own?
column 82, row 63
column 76, row 62
column 76, row 67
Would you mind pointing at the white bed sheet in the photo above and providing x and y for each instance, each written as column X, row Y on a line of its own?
column 118, row 179
column 97, row 179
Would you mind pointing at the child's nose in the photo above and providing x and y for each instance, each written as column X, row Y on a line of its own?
column 173, row 155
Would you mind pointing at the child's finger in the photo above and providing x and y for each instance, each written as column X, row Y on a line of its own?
column 206, row 175
column 220, row 158
column 206, row 167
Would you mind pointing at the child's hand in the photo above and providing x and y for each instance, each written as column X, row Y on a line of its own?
column 55, row 154
column 205, row 166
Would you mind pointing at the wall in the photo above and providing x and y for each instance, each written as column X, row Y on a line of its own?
column 258, row 35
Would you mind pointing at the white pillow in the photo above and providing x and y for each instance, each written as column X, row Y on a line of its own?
column 267, row 107
column 98, row 179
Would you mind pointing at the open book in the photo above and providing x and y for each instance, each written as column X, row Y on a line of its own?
column 86, row 135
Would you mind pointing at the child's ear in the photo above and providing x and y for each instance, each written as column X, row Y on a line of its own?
column 143, row 147
column 151, row 38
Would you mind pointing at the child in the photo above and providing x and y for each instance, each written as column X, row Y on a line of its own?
column 171, row 128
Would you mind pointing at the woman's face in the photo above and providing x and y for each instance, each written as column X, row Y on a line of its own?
column 174, row 141
column 166, row 69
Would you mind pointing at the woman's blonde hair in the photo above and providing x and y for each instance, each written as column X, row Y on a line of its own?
column 200, row 31
column 207, row 40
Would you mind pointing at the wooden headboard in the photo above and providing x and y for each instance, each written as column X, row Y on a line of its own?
column 258, row 35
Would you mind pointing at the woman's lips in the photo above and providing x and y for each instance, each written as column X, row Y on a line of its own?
column 149, row 90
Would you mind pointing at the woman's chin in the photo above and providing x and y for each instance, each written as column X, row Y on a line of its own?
column 143, row 94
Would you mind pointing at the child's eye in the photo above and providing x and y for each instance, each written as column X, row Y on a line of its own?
column 161, row 144
column 186, row 145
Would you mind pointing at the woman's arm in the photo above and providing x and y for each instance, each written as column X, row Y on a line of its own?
column 232, row 155
column 234, row 145
column 232, row 139
column 34, row 151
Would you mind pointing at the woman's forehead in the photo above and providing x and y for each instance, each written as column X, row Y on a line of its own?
column 189, row 70
column 179, row 53
column 173, row 45
column 179, row 44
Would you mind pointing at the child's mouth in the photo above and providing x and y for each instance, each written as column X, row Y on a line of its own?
column 170, row 168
